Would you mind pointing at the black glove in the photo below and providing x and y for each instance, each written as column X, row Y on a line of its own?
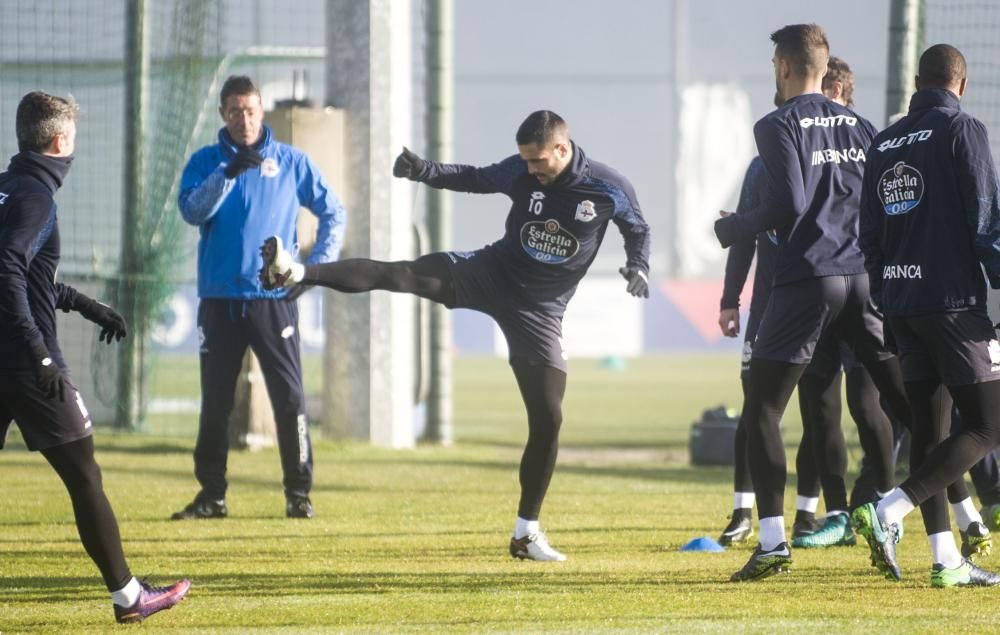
column 408, row 165
column 245, row 159
column 638, row 285
column 49, row 378
column 296, row 292
column 113, row 325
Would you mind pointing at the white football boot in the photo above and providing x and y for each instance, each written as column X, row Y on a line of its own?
column 280, row 269
column 534, row 547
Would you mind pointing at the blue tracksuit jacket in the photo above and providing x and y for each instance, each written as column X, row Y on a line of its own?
column 234, row 216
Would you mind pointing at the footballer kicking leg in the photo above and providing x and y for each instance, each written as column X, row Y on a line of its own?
column 428, row 276
column 466, row 280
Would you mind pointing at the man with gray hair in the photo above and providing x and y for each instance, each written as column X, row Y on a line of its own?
column 35, row 386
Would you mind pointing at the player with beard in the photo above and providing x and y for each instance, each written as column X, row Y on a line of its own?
column 562, row 203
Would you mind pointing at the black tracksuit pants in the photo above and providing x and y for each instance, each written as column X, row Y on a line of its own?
column 270, row 329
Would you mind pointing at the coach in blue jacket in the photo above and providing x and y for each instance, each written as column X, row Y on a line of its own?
column 238, row 192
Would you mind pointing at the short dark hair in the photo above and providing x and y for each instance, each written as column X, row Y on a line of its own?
column 40, row 117
column 804, row 46
column 540, row 128
column 941, row 65
column 837, row 70
column 237, row 85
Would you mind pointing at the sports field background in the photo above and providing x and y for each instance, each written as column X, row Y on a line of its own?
column 415, row 540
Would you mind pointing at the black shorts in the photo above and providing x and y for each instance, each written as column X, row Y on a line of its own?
column 826, row 359
column 44, row 422
column 958, row 348
column 481, row 284
column 799, row 313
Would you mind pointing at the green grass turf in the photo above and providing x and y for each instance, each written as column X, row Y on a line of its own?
column 415, row 540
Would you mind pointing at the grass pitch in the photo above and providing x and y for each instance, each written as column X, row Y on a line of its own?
column 415, row 540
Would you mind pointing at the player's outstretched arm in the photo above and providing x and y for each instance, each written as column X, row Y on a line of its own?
column 409, row 166
column 491, row 179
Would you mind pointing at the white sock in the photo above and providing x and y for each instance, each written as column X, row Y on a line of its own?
column 298, row 271
column 772, row 532
column 127, row 595
column 807, row 503
column 743, row 500
column 943, row 549
column 894, row 507
column 524, row 527
column 881, row 495
column 966, row 513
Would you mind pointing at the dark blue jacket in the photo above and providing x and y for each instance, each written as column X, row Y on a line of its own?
column 741, row 254
column 553, row 231
column 930, row 213
column 29, row 259
column 813, row 151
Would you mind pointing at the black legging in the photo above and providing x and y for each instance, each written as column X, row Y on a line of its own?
column 542, row 388
column 742, row 480
column 825, row 452
column 95, row 520
column 863, row 397
column 931, row 425
column 427, row 276
column 888, row 378
column 985, row 474
column 865, row 404
column 874, row 434
column 806, row 467
column 979, row 405
column 772, row 383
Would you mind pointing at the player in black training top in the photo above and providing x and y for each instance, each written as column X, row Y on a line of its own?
column 930, row 224
column 562, row 202
column 813, row 151
column 822, row 453
column 738, row 262
column 35, row 386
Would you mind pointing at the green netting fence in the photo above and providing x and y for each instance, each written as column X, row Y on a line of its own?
column 140, row 258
